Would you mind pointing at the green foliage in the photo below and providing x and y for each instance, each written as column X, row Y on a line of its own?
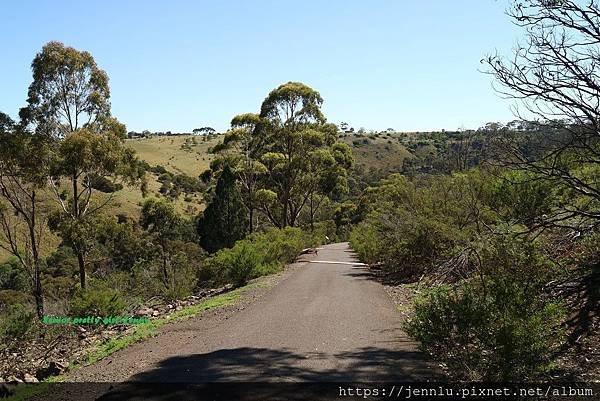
column 279, row 247
column 68, row 107
column 286, row 156
column 158, row 169
column 49, row 109
column 173, row 255
column 103, row 184
column 364, row 240
column 13, row 276
column 97, row 302
column 413, row 225
column 174, row 184
column 239, row 263
column 524, row 197
column 224, row 221
column 15, row 322
column 261, row 253
column 495, row 325
column 13, row 297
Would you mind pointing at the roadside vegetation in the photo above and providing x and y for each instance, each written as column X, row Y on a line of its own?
column 494, row 231
column 499, row 231
column 203, row 212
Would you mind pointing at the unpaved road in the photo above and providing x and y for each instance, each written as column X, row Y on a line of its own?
column 327, row 320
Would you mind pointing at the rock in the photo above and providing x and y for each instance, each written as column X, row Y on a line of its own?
column 155, row 313
column 53, row 369
column 144, row 312
column 27, row 378
column 170, row 306
column 178, row 308
column 13, row 379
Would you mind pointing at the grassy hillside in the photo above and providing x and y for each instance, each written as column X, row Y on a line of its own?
column 377, row 152
column 178, row 154
column 190, row 155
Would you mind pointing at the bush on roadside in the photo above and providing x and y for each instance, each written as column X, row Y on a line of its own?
column 96, row 302
column 15, row 322
column 494, row 325
column 279, row 246
column 259, row 254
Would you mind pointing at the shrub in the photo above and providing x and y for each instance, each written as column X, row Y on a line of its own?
column 12, row 276
column 11, row 297
column 103, row 184
column 365, row 242
column 523, row 196
column 96, row 302
column 279, row 246
column 15, row 322
column 235, row 265
column 260, row 254
column 492, row 326
column 158, row 169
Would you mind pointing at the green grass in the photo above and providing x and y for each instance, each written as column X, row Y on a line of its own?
column 26, row 391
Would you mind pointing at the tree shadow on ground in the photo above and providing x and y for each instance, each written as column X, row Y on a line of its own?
column 260, row 365
column 376, row 273
column 584, row 296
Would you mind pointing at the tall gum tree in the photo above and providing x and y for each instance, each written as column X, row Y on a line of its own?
column 286, row 157
column 239, row 150
column 68, row 103
column 300, row 143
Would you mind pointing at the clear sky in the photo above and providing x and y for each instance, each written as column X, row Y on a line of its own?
column 176, row 65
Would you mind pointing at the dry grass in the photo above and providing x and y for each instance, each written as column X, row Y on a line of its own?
column 170, row 152
column 377, row 152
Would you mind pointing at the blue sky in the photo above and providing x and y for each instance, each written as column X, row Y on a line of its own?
column 176, row 65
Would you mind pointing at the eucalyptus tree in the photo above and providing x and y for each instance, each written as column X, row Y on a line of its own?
column 240, row 150
column 298, row 156
column 286, row 157
column 68, row 103
column 23, row 173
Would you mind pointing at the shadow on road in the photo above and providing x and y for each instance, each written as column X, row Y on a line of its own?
column 260, row 364
column 249, row 367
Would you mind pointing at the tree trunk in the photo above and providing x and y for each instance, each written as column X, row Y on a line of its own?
column 76, row 216
column 284, row 216
column 81, row 262
column 251, row 219
column 312, row 214
column 37, row 280
column 164, row 265
column 38, row 294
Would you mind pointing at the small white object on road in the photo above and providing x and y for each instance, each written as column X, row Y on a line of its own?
column 333, row 262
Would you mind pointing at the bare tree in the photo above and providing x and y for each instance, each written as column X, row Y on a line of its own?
column 555, row 76
column 22, row 176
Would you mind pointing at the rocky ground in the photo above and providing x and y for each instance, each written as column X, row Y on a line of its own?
column 52, row 351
